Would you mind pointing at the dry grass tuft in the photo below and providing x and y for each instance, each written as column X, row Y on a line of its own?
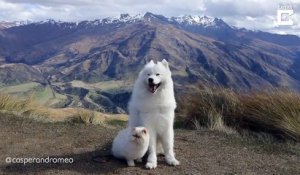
column 24, row 107
column 208, row 107
column 276, row 112
column 27, row 108
column 84, row 116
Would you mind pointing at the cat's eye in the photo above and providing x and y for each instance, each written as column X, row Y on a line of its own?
column 144, row 131
column 157, row 74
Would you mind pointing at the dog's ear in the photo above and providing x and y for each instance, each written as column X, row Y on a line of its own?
column 150, row 64
column 165, row 63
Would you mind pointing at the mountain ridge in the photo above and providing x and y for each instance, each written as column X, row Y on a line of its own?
column 199, row 49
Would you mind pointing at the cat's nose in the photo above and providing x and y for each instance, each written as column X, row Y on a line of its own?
column 136, row 136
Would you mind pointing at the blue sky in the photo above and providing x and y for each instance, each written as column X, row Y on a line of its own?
column 251, row 14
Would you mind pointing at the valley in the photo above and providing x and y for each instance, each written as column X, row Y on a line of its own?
column 93, row 64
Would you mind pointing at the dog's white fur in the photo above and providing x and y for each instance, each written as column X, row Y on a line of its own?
column 131, row 144
column 155, row 111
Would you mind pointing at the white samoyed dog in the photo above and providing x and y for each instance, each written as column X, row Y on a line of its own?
column 152, row 105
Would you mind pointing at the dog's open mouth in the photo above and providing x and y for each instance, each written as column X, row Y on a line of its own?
column 153, row 87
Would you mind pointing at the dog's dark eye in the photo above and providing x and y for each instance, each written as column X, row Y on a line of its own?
column 148, row 74
column 157, row 74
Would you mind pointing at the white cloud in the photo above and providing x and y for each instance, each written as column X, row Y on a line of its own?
column 251, row 14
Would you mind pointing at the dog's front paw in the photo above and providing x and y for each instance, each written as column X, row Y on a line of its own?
column 173, row 162
column 139, row 160
column 151, row 165
column 130, row 163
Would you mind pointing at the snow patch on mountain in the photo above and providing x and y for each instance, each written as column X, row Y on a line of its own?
column 6, row 24
column 203, row 21
column 194, row 20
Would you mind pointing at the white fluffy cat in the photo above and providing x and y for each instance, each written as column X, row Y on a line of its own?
column 131, row 144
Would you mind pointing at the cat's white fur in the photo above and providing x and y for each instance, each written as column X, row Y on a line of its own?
column 154, row 109
column 131, row 144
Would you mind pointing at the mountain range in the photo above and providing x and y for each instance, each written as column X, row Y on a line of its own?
column 94, row 63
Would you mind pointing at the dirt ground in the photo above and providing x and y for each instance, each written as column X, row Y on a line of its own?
column 200, row 152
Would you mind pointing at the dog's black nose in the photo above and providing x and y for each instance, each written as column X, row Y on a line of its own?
column 150, row 80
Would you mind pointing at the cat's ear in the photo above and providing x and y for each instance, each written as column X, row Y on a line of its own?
column 144, row 131
column 165, row 63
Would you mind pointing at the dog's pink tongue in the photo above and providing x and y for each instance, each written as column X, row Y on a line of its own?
column 152, row 89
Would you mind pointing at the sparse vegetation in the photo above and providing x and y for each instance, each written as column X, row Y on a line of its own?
column 117, row 122
column 38, row 93
column 276, row 112
column 25, row 107
column 84, row 116
column 103, row 85
column 20, row 88
column 28, row 108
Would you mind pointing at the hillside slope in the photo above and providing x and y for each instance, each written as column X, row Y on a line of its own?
column 199, row 49
column 200, row 152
